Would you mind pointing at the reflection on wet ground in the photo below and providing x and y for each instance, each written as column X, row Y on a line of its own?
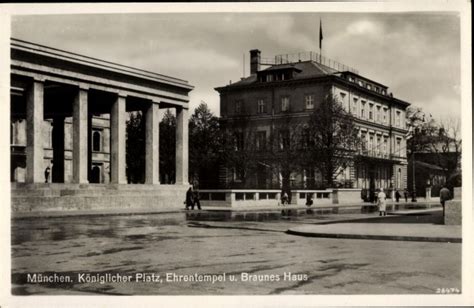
column 167, row 243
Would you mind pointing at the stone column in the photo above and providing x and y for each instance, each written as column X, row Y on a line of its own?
column 152, row 136
column 79, row 146
column 34, row 140
column 117, row 146
column 58, row 150
column 181, row 146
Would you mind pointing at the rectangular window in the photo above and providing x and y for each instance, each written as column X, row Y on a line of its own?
column 269, row 77
column 397, row 119
column 238, row 107
column 371, row 111
column 354, row 107
column 284, row 139
column 285, row 103
column 378, row 146
column 378, row 116
column 399, row 146
column 309, row 101
column 261, row 107
column 385, row 146
column 239, row 141
column 261, row 140
column 371, row 143
column 363, row 136
column 362, row 110
column 385, row 115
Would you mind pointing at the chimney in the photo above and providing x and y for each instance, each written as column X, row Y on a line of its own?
column 254, row 61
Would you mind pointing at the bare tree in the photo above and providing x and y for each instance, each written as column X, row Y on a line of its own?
column 333, row 140
column 239, row 152
column 285, row 149
column 446, row 144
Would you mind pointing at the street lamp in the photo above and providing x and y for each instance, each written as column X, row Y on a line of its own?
column 411, row 134
column 413, row 196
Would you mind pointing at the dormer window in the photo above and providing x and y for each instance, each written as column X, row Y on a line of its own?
column 360, row 83
column 285, row 103
column 238, row 106
column 369, row 87
column 269, row 78
column 309, row 101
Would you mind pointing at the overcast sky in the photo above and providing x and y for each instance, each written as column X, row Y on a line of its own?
column 416, row 55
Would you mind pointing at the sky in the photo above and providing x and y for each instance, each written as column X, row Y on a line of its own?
column 417, row 55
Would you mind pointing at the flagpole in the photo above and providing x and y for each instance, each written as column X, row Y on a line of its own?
column 320, row 41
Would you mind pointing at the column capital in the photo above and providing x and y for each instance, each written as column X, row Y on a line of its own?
column 38, row 78
column 84, row 86
column 122, row 94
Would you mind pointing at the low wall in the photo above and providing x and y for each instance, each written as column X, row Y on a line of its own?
column 267, row 197
column 89, row 197
column 453, row 208
column 319, row 197
column 346, row 195
column 239, row 197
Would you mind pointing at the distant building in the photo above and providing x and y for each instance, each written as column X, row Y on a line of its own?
column 295, row 85
column 435, row 168
column 99, row 145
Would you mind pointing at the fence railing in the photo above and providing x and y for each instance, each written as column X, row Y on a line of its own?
column 307, row 56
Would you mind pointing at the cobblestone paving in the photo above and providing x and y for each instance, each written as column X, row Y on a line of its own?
column 161, row 244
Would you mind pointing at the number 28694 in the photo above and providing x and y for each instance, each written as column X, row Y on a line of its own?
column 448, row 291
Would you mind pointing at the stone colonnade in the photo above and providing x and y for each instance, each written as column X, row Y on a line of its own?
column 80, row 114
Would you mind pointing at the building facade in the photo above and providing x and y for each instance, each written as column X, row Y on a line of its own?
column 99, row 144
column 293, row 85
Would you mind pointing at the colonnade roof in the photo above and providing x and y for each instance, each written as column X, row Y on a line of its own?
column 23, row 51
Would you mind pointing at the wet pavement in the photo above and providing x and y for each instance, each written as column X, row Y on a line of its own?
column 169, row 255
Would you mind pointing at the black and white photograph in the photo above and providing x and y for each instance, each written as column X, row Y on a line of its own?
column 244, row 149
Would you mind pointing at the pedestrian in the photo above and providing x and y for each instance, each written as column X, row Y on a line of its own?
column 46, row 174
column 381, row 202
column 196, row 200
column 309, row 199
column 189, row 199
column 284, row 198
column 397, row 196
column 405, row 194
column 444, row 195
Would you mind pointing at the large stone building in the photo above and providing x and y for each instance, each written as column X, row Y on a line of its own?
column 294, row 85
column 68, row 129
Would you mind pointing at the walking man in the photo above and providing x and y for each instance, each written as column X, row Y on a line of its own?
column 189, row 199
column 196, row 200
column 397, row 196
column 444, row 195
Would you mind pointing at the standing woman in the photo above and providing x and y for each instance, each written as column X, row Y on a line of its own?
column 382, row 203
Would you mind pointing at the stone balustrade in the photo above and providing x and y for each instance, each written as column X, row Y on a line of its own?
column 270, row 197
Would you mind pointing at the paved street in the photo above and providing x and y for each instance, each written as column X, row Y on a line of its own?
column 259, row 252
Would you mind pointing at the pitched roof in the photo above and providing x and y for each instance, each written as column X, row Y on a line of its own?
column 306, row 69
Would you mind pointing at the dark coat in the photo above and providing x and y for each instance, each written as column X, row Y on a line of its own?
column 444, row 194
column 189, row 198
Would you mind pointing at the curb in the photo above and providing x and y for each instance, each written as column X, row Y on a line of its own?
column 378, row 237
